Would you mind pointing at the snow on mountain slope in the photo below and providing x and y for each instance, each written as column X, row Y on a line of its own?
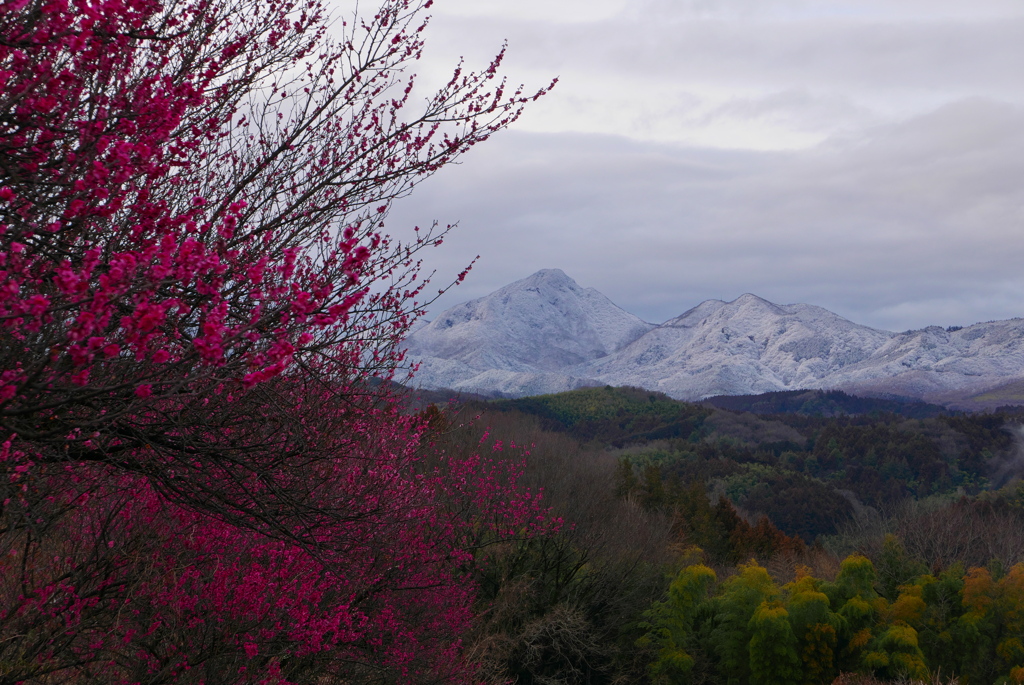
column 538, row 326
column 436, row 373
column 746, row 346
column 546, row 334
column 936, row 364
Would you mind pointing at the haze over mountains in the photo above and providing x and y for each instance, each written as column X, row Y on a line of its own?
column 546, row 334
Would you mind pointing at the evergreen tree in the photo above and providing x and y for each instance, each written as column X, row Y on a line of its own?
column 670, row 625
column 774, row 654
column 816, row 628
column 742, row 595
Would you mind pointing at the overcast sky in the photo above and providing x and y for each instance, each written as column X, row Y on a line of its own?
column 862, row 155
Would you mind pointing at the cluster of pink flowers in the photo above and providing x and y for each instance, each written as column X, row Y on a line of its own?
column 141, row 587
column 203, row 473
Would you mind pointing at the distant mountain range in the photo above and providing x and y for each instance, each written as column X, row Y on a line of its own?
column 546, row 334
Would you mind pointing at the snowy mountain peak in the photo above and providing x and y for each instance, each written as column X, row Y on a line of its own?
column 749, row 299
column 749, row 345
column 551, row 277
column 753, row 303
column 541, row 324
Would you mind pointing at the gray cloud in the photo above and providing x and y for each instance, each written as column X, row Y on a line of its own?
column 869, row 52
column 912, row 224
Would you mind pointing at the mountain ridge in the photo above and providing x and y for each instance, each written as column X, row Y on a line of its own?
column 546, row 334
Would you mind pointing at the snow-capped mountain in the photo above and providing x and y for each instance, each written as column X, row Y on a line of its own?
column 523, row 338
column 939, row 365
column 546, row 334
column 746, row 346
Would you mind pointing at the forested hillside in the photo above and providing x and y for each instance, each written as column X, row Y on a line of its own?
column 858, row 538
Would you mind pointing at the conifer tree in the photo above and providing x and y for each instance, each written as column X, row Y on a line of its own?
column 859, row 606
column 774, row 654
column 671, row 624
column 734, row 608
column 816, row 628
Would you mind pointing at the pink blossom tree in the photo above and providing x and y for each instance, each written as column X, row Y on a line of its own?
column 202, row 469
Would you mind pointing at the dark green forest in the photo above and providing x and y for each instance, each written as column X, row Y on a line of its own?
column 793, row 537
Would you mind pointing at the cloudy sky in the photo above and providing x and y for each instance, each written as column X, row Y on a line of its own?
column 862, row 155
